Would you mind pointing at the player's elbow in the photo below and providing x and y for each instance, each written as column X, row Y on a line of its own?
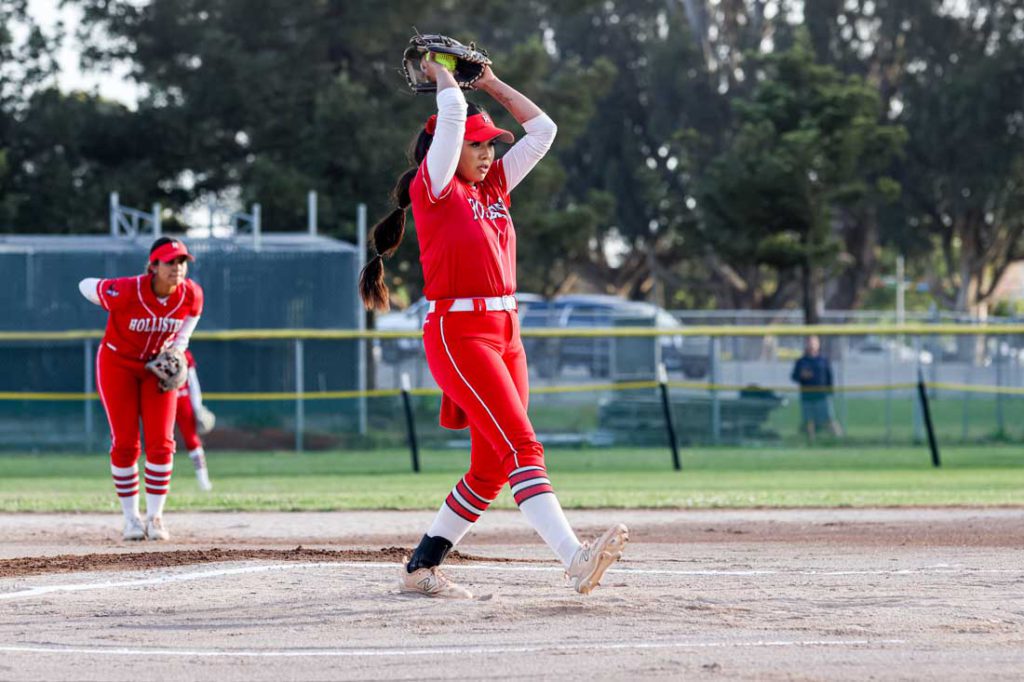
column 87, row 287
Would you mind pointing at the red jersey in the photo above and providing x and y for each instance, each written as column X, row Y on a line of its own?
column 139, row 324
column 467, row 241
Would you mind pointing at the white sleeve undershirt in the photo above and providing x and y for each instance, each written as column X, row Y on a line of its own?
column 446, row 147
column 529, row 150
column 88, row 288
column 188, row 325
column 195, row 393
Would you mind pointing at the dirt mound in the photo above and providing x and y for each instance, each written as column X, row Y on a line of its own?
column 123, row 561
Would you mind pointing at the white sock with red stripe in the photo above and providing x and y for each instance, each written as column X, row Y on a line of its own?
column 536, row 499
column 547, row 518
column 459, row 512
column 126, row 483
column 158, row 483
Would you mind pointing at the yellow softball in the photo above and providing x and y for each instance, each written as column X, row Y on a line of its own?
column 448, row 61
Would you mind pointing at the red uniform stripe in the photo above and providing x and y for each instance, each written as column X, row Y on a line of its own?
column 454, row 505
column 526, row 493
column 516, row 479
column 471, row 496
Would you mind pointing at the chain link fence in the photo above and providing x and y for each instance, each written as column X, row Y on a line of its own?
column 299, row 389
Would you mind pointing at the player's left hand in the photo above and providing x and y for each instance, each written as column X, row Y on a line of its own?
column 486, row 79
column 170, row 368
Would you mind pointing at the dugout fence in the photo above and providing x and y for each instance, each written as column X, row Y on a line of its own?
column 281, row 389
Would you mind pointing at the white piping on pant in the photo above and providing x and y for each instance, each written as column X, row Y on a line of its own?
column 444, row 342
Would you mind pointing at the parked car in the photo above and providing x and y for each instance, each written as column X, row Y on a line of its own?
column 550, row 356
column 411, row 320
column 873, row 347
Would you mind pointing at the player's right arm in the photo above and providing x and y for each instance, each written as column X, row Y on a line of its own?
column 446, row 147
column 109, row 294
column 88, row 287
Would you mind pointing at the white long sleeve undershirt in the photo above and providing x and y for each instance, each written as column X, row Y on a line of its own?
column 446, row 147
column 195, row 392
column 88, row 288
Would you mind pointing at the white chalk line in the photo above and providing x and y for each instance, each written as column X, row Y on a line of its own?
column 167, row 578
column 219, row 573
column 443, row 650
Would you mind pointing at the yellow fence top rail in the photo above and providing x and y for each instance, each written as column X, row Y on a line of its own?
column 559, row 332
column 257, row 396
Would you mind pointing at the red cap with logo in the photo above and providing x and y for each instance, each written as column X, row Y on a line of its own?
column 480, row 128
column 169, row 251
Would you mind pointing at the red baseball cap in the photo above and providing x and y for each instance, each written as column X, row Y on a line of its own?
column 169, row 251
column 480, row 128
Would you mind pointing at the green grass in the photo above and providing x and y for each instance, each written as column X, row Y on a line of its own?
column 992, row 475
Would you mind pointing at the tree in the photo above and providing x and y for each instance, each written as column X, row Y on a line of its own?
column 965, row 168
column 278, row 97
column 808, row 140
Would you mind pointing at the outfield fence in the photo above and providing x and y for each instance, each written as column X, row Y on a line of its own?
column 279, row 389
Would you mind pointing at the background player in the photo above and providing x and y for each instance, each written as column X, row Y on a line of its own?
column 460, row 197
column 146, row 313
column 194, row 420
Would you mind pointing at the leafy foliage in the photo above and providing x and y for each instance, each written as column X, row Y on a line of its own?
column 736, row 153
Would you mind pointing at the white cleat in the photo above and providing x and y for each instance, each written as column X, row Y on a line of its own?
column 592, row 559
column 155, row 529
column 431, row 582
column 133, row 529
column 203, row 478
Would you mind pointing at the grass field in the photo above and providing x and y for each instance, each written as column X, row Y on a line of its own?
column 992, row 475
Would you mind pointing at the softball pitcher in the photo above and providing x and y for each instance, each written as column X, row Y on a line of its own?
column 150, row 315
column 460, row 198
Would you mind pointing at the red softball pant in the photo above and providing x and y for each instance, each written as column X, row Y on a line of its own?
column 186, row 420
column 478, row 360
column 129, row 392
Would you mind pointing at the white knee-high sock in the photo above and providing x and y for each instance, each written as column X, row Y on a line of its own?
column 126, row 483
column 158, row 484
column 458, row 513
column 198, row 457
column 546, row 516
column 449, row 525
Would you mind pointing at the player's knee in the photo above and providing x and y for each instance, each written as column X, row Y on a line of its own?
column 160, row 455
column 484, row 485
column 124, row 456
column 532, row 456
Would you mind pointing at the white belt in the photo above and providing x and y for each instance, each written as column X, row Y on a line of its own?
column 468, row 305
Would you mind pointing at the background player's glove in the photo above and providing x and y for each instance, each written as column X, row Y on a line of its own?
column 468, row 66
column 205, row 420
column 171, row 369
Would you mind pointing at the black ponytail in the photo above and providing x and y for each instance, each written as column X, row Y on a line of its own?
column 387, row 234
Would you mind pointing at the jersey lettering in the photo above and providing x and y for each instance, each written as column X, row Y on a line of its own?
column 496, row 211
column 149, row 324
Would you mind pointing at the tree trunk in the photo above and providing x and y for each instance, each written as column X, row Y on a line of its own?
column 860, row 237
column 810, row 299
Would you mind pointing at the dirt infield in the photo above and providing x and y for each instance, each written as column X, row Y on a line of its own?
column 758, row 594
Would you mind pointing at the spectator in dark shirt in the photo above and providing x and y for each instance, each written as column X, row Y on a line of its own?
column 814, row 374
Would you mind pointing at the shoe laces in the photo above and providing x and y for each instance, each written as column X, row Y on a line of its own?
column 442, row 579
column 582, row 556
